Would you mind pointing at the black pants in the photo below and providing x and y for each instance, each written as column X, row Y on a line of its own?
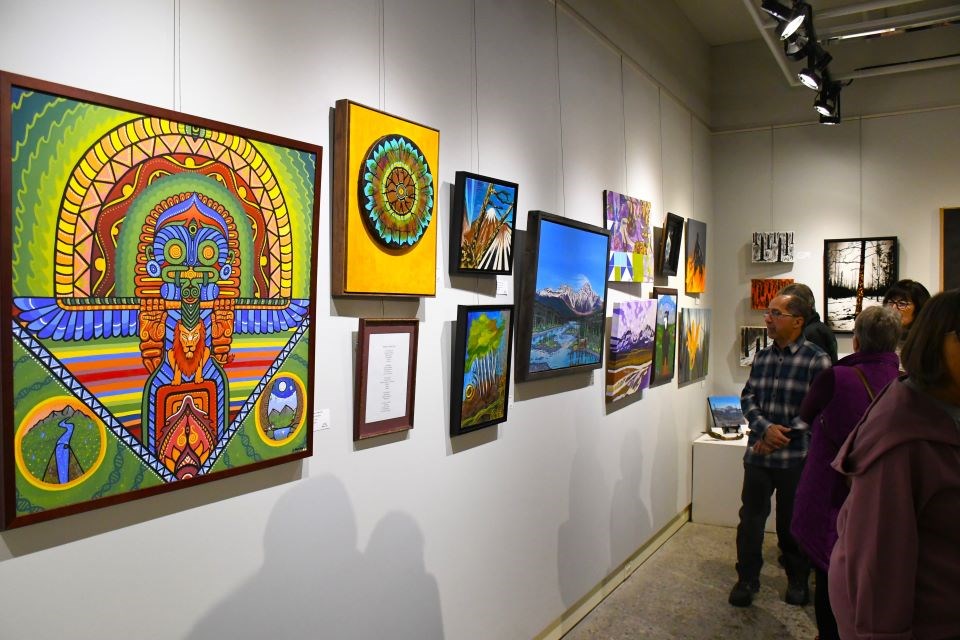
column 826, row 623
column 759, row 483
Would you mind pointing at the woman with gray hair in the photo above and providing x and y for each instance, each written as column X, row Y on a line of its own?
column 836, row 401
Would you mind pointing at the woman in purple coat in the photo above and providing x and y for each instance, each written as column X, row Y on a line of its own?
column 836, row 401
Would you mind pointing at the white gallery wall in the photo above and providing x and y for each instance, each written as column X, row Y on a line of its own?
column 494, row 534
column 883, row 175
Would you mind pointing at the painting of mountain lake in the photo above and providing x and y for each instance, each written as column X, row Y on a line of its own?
column 665, row 348
column 856, row 274
column 631, row 238
column 481, row 229
column 632, row 333
column 694, row 348
column 481, row 367
column 563, row 297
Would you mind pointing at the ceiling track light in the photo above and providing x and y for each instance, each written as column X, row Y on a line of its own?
column 812, row 75
column 791, row 18
column 796, row 47
column 833, row 117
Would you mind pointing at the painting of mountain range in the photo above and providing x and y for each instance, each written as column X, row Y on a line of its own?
column 481, row 229
column 632, row 335
column 564, row 299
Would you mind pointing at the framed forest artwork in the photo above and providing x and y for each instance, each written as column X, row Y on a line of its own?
column 696, row 268
column 693, row 357
column 632, row 334
column 668, row 253
column 563, row 297
column 665, row 345
column 482, row 225
column 763, row 290
column 772, row 246
column 386, row 376
column 480, row 376
column 752, row 340
column 384, row 233
column 949, row 249
column 856, row 274
column 631, row 238
column 158, row 299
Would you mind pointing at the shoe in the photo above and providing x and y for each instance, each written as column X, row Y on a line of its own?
column 742, row 593
column 798, row 593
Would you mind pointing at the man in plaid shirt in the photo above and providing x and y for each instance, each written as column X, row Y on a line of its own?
column 776, row 448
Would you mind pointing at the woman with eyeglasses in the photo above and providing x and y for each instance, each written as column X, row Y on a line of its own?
column 895, row 570
column 908, row 297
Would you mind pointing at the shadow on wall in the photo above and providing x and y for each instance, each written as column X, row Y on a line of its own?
column 582, row 554
column 630, row 521
column 315, row 582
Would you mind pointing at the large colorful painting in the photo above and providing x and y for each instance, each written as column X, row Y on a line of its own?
column 480, row 376
column 665, row 349
column 763, row 290
column 694, row 349
column 752, row 340
column 632, row 335
column 158, row 299
column 563, row 297
column 696, row 271
column 949, row 249
column 384, row 233
column 481, row 225
column 631, row 238
column 856, row 274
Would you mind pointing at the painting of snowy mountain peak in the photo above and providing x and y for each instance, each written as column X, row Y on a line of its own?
column 856, row 274
column 563, row 297
column 481, row 229
column 632, row 334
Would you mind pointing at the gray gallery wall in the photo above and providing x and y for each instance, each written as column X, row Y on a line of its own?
column 494, row 534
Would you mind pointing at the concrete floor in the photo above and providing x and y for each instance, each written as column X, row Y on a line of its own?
column 681, row 592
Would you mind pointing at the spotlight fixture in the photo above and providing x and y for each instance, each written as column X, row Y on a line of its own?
column 796, row 46
column 811, row 76
column 791, row 18
column 826, row 102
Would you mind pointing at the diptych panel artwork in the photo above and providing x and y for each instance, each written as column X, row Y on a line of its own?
column 694, row 345
column 631, row 238
column 159, row 299
column 949, row 249
column 752, row 340
column 665, row 347
column 772, row 246
column 384, row 232
column 481, row 367
column 696, row 270
column 563, row 298
column 763, row 290
column 632, row 336
column 482, row 223
column 856, row 274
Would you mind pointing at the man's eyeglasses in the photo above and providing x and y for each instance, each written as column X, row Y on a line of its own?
column 899, row 304
column 776, row 313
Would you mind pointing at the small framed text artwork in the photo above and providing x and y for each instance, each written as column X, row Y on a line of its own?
column 386, row 377
column 665, row 345
column 856, row 274
column 481, row 367
column 668, row 254
column 763, row 290
column 482, row 224
column 563, row 298
column 949, row 249
column 384, row 230
column 157, row 299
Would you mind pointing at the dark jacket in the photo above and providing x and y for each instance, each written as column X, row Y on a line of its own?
column 821, row 335
column 895, row 572
column 835, row 403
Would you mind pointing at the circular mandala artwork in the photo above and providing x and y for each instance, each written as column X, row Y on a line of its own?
column 396, row 191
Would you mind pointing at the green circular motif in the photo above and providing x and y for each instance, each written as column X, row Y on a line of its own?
column 396, row 191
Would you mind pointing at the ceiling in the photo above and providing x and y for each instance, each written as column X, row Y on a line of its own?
column 925, row 33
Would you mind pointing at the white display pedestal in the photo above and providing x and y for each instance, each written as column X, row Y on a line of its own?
column 717, row 480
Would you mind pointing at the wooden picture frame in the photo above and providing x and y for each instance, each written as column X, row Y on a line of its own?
column 845, row 262
column 385, row 188
column 482, row 225
column 949, row 248
column 480, row 373
column 668, row 251
column 386, row 375
column 158, row 297
column 558, row 305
